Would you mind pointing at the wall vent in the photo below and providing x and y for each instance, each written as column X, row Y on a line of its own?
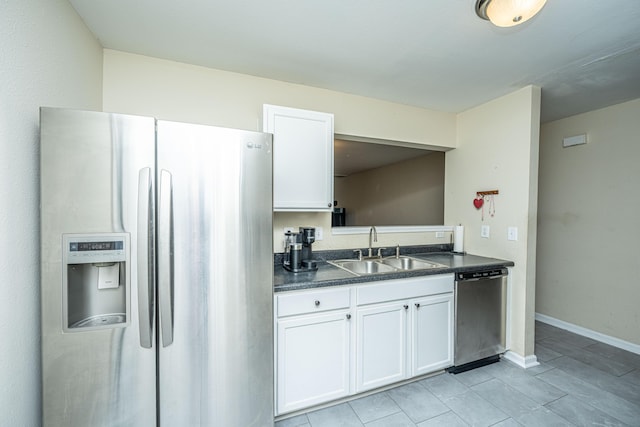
column 570, row 141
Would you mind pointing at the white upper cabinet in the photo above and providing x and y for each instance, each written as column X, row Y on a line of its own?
column 302, row 158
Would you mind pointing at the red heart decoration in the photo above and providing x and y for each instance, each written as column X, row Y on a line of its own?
column 478, row 202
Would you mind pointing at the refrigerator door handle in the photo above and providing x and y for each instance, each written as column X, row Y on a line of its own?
column 165, row 257
column 145, row 257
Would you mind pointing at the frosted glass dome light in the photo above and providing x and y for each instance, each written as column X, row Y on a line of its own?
column 507, row 13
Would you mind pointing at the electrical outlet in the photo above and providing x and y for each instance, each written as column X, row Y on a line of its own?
column 512, row 233
column 485, row 232
column 318, row 233
column 439, row 234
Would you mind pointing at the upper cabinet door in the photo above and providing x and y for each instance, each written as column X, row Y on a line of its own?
column 302, row 158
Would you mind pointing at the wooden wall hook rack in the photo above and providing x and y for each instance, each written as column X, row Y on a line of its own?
column 487, row 193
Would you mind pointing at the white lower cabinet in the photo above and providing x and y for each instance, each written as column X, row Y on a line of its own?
column 312, row 349
column 381, row 345
column 403, row 328
column 432, row 334
column 404, row 339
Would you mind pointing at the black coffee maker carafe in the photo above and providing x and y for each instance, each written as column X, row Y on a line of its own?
column 308, row 237
column 298, row 255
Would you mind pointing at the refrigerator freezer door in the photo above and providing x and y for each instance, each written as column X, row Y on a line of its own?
column 90, row 162
column 218, row 369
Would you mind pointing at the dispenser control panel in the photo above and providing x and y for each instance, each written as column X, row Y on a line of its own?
column 95, row 248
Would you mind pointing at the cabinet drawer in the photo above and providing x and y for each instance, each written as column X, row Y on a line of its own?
column 393, row 290
column 312, row 301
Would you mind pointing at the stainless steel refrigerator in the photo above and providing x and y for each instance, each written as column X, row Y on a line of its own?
column 157, row 270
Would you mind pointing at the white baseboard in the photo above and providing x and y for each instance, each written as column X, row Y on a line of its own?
column 523, row 362
column 616, row 342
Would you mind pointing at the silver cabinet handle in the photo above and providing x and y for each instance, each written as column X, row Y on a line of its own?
column 417, row 305
column 317, row 303
column 146, row 268
column 406, row 307
column 348, row 316
column 165, row 257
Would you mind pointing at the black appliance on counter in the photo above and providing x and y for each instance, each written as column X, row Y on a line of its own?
column 298, row 254
column 338, row 217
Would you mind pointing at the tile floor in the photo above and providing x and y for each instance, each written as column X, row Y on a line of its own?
column 580, row 382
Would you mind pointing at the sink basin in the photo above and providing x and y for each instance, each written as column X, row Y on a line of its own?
column 408, row 263
column 385, row 265
column 364, row 266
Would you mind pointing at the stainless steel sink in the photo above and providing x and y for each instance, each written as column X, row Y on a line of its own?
column 384, row 265
column 364, row 267
column 408, row 263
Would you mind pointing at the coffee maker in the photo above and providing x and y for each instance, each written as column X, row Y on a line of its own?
column 298, row 255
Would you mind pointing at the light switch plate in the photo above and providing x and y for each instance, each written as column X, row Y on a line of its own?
column 319, row 233
column 485, row 231
column 512, row 233
column 439, row 234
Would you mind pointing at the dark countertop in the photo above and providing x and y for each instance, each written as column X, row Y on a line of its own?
column 330, row 275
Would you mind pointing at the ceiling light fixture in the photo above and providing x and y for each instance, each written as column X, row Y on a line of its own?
column 507, row 13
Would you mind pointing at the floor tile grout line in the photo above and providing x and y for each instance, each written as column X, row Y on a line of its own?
column 613, row 377
column 592, row 353
column 376, row 419
column 585, row 403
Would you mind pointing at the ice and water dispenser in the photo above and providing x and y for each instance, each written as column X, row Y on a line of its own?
column 95, row 281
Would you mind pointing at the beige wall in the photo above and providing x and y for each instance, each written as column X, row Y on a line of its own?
column 405, row 193
column 48, row 58
column 175, row 91
column 588, row 222
column 498, row 150
column 142, row 85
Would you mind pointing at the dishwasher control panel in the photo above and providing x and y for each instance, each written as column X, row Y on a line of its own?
column 471, row 275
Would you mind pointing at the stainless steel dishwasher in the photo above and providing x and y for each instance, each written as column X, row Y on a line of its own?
column 480, row 318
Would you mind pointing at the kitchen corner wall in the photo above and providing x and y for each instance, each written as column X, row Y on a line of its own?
column 588, row 222
column 497, row 149
column 136, row 84
column 49, row 58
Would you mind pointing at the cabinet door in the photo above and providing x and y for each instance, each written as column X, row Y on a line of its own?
column 432, row 334
column 302, row 158
column 312, row 360
column 381, row 345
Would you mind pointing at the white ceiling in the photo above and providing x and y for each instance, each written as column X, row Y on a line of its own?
column 437, row 54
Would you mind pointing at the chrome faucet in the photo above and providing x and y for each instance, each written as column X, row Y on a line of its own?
column 372, row 232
